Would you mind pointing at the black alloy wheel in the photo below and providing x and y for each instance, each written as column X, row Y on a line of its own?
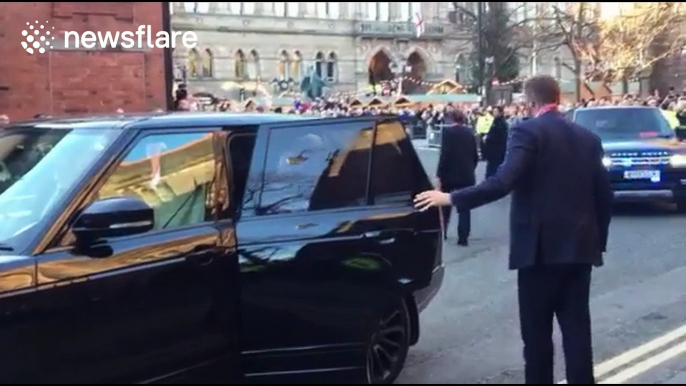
column 389, row 346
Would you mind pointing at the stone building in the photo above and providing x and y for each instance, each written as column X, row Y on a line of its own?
column 79, row 81
column 268, row 47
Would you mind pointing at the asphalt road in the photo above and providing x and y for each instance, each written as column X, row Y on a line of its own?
column 470, row 334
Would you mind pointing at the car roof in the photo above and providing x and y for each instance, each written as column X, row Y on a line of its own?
column 616, row 108
column 160, row 120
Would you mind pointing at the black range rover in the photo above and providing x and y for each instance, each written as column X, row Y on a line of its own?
column 645, row 159
column 216, row 247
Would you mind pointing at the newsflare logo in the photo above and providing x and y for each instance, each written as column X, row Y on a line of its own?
column 40, row 37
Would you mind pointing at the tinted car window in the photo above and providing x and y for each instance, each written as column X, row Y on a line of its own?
column 316, row 168
column 173, row 173
column 396, row 172
column 624, row 124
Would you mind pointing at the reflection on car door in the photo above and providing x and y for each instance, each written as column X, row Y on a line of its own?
column 154, row 305
column 310, row 281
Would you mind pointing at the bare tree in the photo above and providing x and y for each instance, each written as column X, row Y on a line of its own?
column 637, row 39
column 616, row 47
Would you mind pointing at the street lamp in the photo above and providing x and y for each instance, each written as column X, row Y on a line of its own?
column 458, row 70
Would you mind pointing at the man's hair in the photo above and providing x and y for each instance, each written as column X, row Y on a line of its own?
column 458, row 116
column 542, row 89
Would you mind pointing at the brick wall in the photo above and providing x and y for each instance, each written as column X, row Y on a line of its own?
column 61, row 81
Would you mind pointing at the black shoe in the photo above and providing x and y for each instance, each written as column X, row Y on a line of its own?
column 463, row 243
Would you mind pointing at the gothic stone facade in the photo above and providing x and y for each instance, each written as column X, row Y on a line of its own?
column 249, row 45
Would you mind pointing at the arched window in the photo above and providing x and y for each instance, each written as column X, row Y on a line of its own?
column 331, row 68
column 296, row 66
column 207, row 64
column 284, row 66
column 254, row 65
column 319, row 65
column 240, row 65
column 193, row 64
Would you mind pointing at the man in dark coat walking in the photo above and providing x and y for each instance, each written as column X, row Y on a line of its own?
column 561, row 210
column 456, row 168
column 495, row 144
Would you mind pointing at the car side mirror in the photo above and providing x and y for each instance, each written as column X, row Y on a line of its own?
column 114, row 217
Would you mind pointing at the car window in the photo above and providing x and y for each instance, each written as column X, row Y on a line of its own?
column 173, row 173
column 396, row 171
column 624, row 123
column 316, row 168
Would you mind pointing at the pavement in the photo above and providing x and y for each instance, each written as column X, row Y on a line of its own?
column 470, row 334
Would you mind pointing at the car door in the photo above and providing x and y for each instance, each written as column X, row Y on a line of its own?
column 311, row 282
column 155, row 306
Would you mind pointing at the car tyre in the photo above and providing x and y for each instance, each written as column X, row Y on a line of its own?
column 389, row 346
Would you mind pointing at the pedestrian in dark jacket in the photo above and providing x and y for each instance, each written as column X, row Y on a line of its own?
column 495, row 145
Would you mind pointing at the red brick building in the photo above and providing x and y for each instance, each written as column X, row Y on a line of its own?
column 65, row 81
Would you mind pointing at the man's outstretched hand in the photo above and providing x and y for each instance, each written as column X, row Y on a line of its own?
column 431, row 198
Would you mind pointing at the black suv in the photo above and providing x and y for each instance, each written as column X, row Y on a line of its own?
column 226, row 247
column 645, row 159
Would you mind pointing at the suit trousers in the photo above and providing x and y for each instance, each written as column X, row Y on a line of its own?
column 464, row 218
column 562, row 291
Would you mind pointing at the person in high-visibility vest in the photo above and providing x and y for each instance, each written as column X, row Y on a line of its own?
column 483, row 126
column 671, row 117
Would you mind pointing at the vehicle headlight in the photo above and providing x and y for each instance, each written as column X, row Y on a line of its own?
column 607, row 161
column 678, row 160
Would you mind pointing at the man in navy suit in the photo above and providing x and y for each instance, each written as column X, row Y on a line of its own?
column 559, row 224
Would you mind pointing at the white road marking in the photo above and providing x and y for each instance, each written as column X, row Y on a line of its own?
column 636, row 353
column 642, row 367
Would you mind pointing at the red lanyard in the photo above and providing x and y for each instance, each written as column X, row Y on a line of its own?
column 546, row 109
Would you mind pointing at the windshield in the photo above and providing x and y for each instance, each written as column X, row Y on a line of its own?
column 624, row 124
column 39, row 165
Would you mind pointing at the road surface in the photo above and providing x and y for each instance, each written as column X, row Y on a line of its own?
column 470, row 334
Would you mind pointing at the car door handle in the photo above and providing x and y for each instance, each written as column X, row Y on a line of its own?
column 200, row 254
column 380, row 237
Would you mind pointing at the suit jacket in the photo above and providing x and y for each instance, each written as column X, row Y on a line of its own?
column 459, row 157
column 561, row 193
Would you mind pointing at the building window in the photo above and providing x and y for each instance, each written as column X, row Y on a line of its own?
column 280, row 9
column 235, row 8
column 405, row 11
column 372, row 8
column 311, row 9
column 319, row 65
column 334, row 10
column 296, row 66
column 331, row 68
column 254, row 65
column 558, row 69
column 284, row 66
column 293, row 9
column 189, row 7
column 249, row 8
column 207, row 64
column 384, row 11
column 202, row 8
column 194, row 64
column 240, row 65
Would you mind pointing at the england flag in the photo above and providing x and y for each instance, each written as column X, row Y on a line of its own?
column 418, row 24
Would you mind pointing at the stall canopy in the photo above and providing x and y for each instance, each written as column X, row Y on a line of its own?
column 447, row 87
column 376, row 102
column 356, row 103
column 402, row 101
